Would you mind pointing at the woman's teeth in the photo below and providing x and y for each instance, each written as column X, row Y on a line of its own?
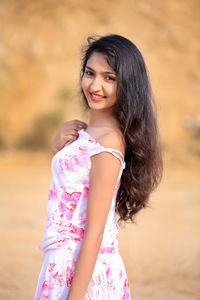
column 95, row 96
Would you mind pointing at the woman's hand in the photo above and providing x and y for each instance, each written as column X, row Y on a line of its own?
column 67, row 134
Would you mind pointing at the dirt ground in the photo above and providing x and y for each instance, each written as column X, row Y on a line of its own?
column 161, row 251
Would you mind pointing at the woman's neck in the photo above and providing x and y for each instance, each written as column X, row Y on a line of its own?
column 99, row 118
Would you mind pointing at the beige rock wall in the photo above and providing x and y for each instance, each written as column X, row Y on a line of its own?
column 40, row 57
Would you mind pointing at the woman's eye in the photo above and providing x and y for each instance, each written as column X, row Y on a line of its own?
column 88, row 73
column 110, row 78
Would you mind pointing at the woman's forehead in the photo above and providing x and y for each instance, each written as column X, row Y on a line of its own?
column 99, row 60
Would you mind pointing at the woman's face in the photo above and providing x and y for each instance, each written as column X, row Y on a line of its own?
column 99, row 82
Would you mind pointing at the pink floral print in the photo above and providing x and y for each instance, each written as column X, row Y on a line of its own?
column 52, row 193
column 64, row 230
column 69, row 276
column 68, row 203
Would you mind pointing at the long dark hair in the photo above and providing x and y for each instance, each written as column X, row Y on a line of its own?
column 135, row 109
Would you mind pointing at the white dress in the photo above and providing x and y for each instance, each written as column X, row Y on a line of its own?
column 65, row 221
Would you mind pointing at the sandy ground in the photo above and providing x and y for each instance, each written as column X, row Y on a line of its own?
column 161, row 251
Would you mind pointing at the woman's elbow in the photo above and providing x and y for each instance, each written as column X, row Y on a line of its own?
column 94, row 233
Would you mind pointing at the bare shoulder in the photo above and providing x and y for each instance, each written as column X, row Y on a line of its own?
column 113, row 139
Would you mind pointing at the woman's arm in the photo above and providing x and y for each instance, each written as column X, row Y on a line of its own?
column 103, row 175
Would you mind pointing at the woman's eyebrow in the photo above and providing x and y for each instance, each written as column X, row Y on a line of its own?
column 107, row 72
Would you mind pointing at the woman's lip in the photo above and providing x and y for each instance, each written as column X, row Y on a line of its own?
column 96, row 99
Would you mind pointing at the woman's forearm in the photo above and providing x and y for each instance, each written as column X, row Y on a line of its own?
column 84, row 266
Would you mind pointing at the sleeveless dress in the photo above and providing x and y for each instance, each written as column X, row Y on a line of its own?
column 65, row 221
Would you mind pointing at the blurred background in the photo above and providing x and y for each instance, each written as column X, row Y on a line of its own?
column 40, row 45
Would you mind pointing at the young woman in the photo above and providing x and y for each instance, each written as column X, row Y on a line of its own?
column 110, row 165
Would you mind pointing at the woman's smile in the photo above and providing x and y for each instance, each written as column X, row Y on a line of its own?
column 96, row 97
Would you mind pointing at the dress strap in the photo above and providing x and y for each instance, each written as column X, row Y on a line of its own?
column 96, row 148
column 121, row 158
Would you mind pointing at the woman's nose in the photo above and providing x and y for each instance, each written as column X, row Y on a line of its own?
column 95, row 84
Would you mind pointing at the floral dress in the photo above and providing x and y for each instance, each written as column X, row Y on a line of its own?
column 65, row 221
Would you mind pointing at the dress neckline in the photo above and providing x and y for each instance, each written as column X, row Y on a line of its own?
column 83, row 130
